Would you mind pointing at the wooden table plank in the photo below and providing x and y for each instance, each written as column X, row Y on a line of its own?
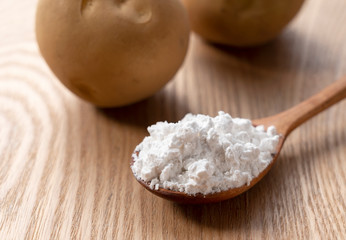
column 64, row 164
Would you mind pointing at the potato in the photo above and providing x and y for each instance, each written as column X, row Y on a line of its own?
column 240, row 23
column 113, row 52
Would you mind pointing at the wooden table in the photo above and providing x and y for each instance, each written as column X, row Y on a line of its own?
column 64, row 164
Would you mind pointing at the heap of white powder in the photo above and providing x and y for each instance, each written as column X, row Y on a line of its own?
column 201, row 154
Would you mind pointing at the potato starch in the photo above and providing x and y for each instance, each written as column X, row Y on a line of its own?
column 202, row 154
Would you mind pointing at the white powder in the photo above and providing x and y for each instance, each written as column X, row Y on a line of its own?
column 201, row 154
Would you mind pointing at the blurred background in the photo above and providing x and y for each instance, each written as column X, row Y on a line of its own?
column 64, row 164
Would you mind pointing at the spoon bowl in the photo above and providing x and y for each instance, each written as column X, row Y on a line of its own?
column 181, row 197
column 284, row 122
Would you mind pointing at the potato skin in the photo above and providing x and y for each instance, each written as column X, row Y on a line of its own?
column 112, row 52
column 240, row 23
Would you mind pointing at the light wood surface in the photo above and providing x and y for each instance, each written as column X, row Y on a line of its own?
column 288, row 120
column 64, row 165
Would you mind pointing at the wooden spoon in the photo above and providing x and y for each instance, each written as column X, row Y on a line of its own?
column 285, row 122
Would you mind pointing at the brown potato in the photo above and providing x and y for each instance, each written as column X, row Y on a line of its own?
column 240, row 22
column 113, row 52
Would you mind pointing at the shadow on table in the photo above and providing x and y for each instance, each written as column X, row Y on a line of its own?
column 290, row 51
column 236, row 213
column 163, row 106
column 251, row 209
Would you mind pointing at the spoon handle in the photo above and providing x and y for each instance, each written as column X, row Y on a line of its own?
column 285, row 122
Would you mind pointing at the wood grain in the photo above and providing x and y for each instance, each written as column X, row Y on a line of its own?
column 288, row 120
column 64, row 165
